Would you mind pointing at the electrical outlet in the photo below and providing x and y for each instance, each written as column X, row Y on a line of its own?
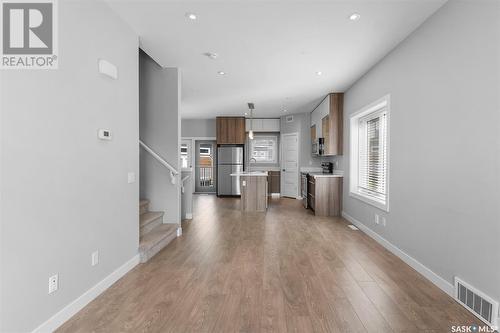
column 95, row 258
column 377, row 219
column 53, row 283
column 383, row 221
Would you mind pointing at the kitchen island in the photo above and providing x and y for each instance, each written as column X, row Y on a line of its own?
column 253, row 186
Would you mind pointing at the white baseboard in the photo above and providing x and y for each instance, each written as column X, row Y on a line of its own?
column 189, row 216
column 71, row 309
column 441, row 283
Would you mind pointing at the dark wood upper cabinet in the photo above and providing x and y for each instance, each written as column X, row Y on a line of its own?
column 327, row 121
column 325, row 130
column 336, row 119
column 313, row 133
column 230, row 130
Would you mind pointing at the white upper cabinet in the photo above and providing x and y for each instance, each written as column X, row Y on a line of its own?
column 263, row 125
column 271, row 125
column 254, row 124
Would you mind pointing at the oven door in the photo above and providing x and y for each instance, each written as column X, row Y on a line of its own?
column 303, row 189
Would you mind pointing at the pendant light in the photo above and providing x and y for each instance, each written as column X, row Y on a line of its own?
column 250, row 133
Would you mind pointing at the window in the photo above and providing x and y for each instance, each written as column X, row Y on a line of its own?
column 369, row 130
column 264, row 149
column 184, row 155
column 205, row 150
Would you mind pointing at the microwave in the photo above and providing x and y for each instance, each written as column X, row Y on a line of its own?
column 318, row 146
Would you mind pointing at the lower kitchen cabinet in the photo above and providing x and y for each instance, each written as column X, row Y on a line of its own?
column 324, row 195
column 274, row 182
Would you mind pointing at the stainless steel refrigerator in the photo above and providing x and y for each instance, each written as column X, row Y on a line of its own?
column 229, row 160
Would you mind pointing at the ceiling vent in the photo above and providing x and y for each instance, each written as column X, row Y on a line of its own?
column 481, row 305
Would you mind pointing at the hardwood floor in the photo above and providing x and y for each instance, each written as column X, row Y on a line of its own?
column 284, row 271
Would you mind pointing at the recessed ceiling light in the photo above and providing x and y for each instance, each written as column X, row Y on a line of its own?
column 319, row 73
column 221, row 73
column 285, row 110
column 211, row 55
column 191, row 16
column 354, row 17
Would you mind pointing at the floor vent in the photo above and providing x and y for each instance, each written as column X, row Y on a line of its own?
column 353, row 227
column 482, row 306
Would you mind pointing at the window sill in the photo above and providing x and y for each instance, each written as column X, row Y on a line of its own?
column 370, row 201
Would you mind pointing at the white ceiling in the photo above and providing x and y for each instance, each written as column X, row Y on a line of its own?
column 270, row 50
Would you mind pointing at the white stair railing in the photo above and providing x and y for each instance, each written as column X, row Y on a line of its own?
column 183, row 180
column 172, row 170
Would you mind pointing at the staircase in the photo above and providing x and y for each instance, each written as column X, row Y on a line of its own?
column 154, row 234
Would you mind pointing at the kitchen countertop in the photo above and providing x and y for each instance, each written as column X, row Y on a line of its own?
column 250, row 174
column 261, row 168
column 310, row 169
column 320, row 174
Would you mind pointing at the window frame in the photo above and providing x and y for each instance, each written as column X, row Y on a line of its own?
column 275, row 153
column 364, row 113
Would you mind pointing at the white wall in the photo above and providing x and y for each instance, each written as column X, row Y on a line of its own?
column 160, row 129
column 64, row 192
column 445, row 140
column 201, row 128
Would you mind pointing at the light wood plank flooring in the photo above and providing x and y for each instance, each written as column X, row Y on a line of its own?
column 284, row 271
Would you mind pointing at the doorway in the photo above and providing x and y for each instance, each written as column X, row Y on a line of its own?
column 290, row 165
column 205, row 172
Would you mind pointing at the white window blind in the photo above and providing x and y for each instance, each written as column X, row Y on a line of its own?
column 264, row 149
column 372, row 163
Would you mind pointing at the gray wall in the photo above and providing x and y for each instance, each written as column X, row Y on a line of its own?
column 445, row 139
column 64, row 192
column 159, row 118
column 198, row 128
column 302, row 124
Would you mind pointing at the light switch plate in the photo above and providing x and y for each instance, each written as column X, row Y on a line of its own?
column 107, row 68
column 131, row 177
column 377, row 219
column 95, row 258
